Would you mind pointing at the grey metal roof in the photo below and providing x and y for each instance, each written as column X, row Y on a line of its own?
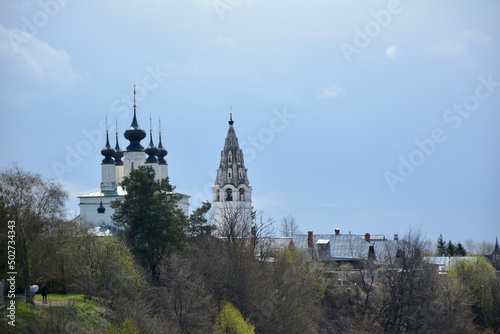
column 346, row 247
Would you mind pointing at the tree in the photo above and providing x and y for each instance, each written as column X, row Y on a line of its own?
column 440, row 246
column 289, row 226
column 460, row 250
column 152, row 222
column 480, row 281
column 231, row 321
column 198, row 221
column 450, row 249
column 36, row 206
column 408, row 288
column 234, row 223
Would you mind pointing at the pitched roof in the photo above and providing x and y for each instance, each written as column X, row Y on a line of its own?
column 346, row 247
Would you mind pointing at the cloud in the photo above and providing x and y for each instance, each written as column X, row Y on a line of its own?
column 32, row 63
column 392, row 52
column 330, row 91
column 461, row 45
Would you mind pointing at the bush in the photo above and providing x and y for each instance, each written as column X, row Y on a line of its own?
column 230, row 320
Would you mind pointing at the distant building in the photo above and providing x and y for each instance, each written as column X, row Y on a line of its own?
column 347, row 248
column 443, row 263
column 117, row 163
column 494, row 257
column 232, row 192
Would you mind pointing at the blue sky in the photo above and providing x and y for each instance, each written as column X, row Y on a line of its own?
column 370, row 116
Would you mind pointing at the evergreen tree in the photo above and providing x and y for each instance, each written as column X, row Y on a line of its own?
column 450, row 248
column 198, row 222
column 460, row 250
column 152, row 222
column 441, row 246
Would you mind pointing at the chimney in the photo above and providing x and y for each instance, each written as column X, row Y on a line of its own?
column 367, row 237
column 337, row 231
column 396, row 238
column 310, row 239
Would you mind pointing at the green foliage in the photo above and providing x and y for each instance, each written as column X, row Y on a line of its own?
column 128, row 326
column 440, row 247
column 36, row 205
column 450, row 248
column 460, row 250
column 198, row 221
column 153, row 223
column 106, row 269
column 481, row 282
column 231, row 321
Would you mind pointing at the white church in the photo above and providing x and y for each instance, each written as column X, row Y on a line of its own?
column 231, row 189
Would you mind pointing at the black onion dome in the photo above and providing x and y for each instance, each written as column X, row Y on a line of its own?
column 135, row 134
column 118, row 155
column 162, row 152
column 107, row 152
column 151, row 150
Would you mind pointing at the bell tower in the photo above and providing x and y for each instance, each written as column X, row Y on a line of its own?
column 232, row 192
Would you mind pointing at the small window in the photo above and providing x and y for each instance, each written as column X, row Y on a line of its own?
column 242, row 194
column 229, row 195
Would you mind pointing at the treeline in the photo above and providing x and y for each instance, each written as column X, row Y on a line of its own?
column 449, row 248
column 188, row 281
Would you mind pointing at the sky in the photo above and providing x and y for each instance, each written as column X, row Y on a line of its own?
column 373, row 116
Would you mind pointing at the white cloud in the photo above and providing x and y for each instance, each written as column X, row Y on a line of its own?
column 33, row 62
column 330, row 91
column 392, row 52
column 461, row 44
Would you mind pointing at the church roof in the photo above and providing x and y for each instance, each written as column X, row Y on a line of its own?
column 134, row 133
column 232, row 166
column 119, row 192
column 108, row 152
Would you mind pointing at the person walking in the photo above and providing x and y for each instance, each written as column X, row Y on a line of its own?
column 44, row 290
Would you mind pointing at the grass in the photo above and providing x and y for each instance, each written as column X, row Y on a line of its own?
column 70, row 310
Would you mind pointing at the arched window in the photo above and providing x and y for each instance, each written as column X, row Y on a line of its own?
column 228, row 173
column 229, row 195
column 240, row 173
column 242, row 194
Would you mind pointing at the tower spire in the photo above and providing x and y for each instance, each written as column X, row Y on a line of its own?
column 135, row 105
column 231, row 183
column 151, row 150
column 134, row 133
column 118, row 155
column 162, row 152
column 107, row 151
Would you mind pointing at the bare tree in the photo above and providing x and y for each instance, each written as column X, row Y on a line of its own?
column 36, row 205
column 233, row 221
column 408, row 287
column 289, row 226
column 479, row 248
column 263, row 233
